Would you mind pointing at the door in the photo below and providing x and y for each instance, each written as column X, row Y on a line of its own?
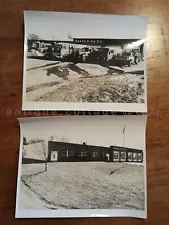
column 108, row 157
column 54, row 156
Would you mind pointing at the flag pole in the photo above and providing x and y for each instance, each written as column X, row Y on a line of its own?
column 124, row 135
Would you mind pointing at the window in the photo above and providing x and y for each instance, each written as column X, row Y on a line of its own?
column 116, row 156
column 95, row 154
column 82, row 154
column 129, row 156
column 41, row 45
column 70, row 153
column 103, row 154
column 140, row 157
column 64, row 153
column 67, row 153
column 123, row 156
column 134, row 157
column 126, row 53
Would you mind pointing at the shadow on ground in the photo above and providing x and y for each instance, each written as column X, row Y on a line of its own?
column 31, row 161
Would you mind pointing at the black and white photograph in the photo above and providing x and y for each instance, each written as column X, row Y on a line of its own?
column 84, row 61
column 82, row 166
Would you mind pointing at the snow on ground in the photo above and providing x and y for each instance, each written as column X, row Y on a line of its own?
column 84, row 185
column 38, row 76
column 54, row 81
column 93, row 69
column 43, row 71
column 31, row 63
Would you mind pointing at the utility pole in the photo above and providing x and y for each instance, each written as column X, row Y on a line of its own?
column 124, row 128
column 70, row 36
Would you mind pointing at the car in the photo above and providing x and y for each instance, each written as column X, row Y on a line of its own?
column 126, row 58
column 123, row 59
column 84, row 53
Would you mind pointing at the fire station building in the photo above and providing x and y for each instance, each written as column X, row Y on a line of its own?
column 70, row 152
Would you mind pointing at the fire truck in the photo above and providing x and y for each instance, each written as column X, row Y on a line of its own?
column 41, row 50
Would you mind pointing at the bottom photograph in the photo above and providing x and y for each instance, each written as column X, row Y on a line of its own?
column 82, row 166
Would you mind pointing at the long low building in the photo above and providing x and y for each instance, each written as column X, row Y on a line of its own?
column 71, row 152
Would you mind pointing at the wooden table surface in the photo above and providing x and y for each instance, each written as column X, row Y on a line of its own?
column 11, row 56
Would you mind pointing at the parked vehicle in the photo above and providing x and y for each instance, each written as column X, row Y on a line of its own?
column 84, row 53
column 126, row 58
column 42, row 50
column 97, row 55
column 47, row 51
column 77, row 53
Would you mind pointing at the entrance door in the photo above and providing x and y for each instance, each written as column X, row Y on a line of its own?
column 108, row 157
column 54, row 156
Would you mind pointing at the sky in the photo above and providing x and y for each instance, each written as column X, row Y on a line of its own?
column 94, row 130
column 55, row 25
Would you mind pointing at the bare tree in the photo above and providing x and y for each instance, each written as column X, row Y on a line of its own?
column 64, row 139
column 33, row 37
column 51, row 138
column 45, row 155
column 34, row 140
column 53, row 37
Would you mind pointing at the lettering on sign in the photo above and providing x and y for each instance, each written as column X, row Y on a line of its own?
column 87, row 41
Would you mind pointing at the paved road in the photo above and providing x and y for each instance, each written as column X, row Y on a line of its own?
column 138, row 67
column 29, row 200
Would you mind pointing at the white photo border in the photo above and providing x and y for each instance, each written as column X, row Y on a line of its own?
column 82, row 106
column 74, row 213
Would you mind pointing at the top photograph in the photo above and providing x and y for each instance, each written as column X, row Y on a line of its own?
column 89, row 62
